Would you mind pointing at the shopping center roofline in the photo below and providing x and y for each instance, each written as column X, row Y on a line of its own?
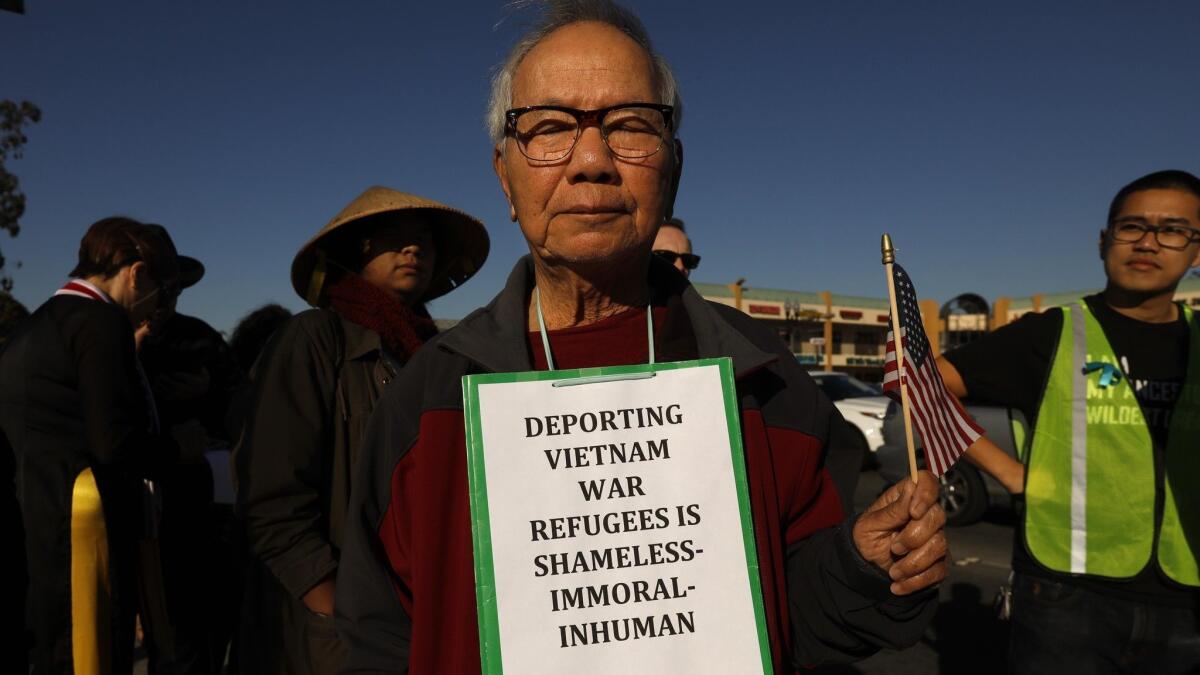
column 1187, row 285
column 781, row 295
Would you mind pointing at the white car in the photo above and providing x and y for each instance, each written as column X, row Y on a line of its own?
column 860, row 403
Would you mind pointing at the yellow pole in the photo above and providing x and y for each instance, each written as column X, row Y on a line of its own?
column 737, row 288
column 828, row 332
column 889, row 257
column 933, row 325
column 1000, row 313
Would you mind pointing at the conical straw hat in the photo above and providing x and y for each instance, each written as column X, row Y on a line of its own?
column 461, row 240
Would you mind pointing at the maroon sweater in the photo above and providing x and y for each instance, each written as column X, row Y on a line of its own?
column 406, row 595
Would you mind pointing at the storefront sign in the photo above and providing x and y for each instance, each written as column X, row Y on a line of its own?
column 773, row 310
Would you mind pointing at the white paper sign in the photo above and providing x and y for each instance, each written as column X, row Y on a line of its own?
column 612, row 528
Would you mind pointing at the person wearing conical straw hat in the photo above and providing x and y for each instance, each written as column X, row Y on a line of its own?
column 368, row 274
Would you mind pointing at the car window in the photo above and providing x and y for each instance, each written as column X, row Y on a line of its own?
column 838, row 388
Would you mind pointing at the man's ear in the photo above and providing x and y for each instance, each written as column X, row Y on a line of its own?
column 676, row 173
column 1103, row 243
column 139, row 275
column 502, row 174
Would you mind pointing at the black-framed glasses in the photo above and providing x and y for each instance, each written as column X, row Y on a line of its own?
column 1174, row 237
column 548, row 133
column 690, row 260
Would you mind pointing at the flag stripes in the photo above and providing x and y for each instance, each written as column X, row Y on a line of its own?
column 945, row 428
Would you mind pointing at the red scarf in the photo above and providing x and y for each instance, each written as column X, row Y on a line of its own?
column 401, row 328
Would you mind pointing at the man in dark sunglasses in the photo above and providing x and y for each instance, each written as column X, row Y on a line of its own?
column 673, row 245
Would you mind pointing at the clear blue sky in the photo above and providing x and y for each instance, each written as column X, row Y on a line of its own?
column 987, row 138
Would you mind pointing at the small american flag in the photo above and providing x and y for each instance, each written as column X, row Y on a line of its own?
column 946, row 429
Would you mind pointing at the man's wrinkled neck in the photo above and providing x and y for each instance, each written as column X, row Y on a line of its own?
column 1148, row 306
column 577, row 295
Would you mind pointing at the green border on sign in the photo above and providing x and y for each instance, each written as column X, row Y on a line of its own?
column 481, row 529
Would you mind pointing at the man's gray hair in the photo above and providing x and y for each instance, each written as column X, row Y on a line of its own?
column 560, row 13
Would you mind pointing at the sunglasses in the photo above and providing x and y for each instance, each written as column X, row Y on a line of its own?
column 690, row 260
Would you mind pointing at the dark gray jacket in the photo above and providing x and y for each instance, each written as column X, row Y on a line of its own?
column 406, row 600
column 314, row 389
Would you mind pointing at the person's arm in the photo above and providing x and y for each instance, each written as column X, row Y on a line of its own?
column 868, row 583
column 281, row 458
column 843, row 606
column 983, row 453
column 843, row 603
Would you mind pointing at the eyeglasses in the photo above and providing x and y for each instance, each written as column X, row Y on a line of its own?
column 548, row 133
column 1174, row 237
column 690, row 260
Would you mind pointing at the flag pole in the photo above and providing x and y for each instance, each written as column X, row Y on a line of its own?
column 889, row 257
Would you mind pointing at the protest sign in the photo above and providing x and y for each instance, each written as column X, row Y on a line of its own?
column 611, row 522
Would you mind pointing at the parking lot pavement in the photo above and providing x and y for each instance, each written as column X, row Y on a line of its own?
column 965, row 637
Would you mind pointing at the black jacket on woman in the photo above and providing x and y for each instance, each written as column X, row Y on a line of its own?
column 72, row 398
column 315, row 386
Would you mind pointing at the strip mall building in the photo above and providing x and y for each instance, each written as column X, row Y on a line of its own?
column 848, row 333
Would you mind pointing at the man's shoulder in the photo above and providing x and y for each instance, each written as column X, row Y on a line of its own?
column 60, row 306
column 82, row 317
column 1033, row 330
column 752, row 329
column 431, row 379
column 1009, row 366
column 318, row 325
column 787, row 396
column 436, row 356
column 1033, row 325
column 312, row 335
column 313, row 319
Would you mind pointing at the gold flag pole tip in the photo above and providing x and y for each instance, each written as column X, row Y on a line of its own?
column 889, row 251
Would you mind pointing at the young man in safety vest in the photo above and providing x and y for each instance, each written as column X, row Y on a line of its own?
column 1106, row 555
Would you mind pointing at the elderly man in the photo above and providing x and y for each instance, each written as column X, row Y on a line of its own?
column 584, row 119
column 674, row 246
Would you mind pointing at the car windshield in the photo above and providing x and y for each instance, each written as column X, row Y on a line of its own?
column 838, row 388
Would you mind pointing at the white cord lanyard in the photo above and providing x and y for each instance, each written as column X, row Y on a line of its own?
column 537, row 301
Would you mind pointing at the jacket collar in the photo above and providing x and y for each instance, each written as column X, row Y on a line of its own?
column 495, row 337
column 360, row 341
column 84, row 289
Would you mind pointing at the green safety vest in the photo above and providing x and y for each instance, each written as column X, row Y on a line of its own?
column 1090, row 485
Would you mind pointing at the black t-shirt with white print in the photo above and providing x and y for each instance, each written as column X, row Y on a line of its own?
column 1010, row 368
